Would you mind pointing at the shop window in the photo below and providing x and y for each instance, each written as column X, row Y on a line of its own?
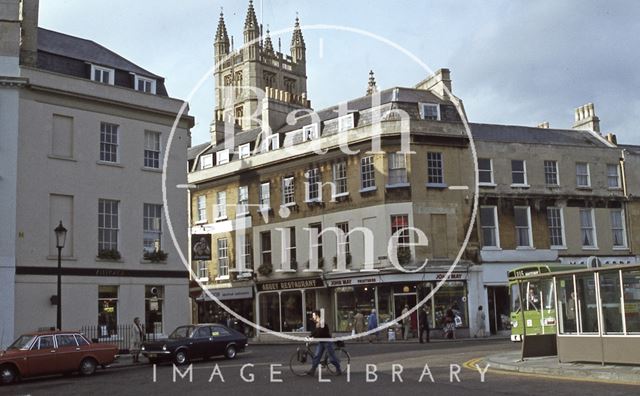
column 385, row 304
column 610, row 296
column 452, row 295
column 351, row 300
column 153, row 309
column 587, row 309
column 270, row 311
column 107, row 311
column 310, row 306
column 292, row 311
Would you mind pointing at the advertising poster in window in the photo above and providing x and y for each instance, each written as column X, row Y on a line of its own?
column 201, row 247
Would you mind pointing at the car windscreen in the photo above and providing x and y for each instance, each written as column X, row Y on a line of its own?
column 182, row 332
column 23, row 342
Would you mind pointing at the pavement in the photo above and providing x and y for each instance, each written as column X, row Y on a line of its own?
column 550, row 367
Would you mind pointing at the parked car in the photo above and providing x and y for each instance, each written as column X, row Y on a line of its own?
column 199, row 341
column 54, row 352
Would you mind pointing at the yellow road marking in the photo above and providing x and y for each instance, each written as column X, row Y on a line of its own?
column 470, row 364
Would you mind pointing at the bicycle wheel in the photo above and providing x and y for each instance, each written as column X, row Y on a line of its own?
column 300, row 361
column 343, row 357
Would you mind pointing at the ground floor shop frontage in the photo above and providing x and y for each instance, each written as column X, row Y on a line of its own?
column 237, row 299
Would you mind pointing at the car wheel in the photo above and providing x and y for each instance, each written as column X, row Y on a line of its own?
column 8, row 374
column 231, row 352
column 88, row 366
column 181, row 357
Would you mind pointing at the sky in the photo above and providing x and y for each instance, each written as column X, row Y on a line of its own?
column 512, row 62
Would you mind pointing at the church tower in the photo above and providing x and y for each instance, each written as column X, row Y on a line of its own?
column 244, row 76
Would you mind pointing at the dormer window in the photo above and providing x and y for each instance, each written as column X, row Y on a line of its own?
column 429, row 111
column 102, row 74
column 244, row 151
column 222, row 157
column 270, row 143
column 206, row 161
column 144, row 84
column 346, row 122
column 310, row 132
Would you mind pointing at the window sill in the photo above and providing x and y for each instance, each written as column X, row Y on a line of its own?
column 101, row 260
column 584, row 188
column 558, row 248
column 525, row 248
column 397, row 185
column 289, row 204
column 552, row 186
column 222, row 278
column 203, row 280
column 615, row 188
column 67, row 258
column 619, row 248
column 492, row 248
column 312, row 201
column 488, row 185
column 341, row 195
column 143, row 261
column 368, row 189
column 200, row 222
column 520, row 186
column 243, row 214
column 221, row 218
column 153, row 170
column 590, row 248
column 59, row 157
column 114, row 164
column 440, row 186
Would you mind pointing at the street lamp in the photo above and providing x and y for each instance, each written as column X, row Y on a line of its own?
column 61, row 236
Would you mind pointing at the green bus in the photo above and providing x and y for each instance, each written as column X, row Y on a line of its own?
column 533, row 310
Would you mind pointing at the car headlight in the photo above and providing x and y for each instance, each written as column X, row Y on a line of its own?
column 142, row 348
column 514, row 323
column 164, row 347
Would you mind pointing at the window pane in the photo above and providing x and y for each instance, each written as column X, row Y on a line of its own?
column 587, row 310
column 292, row 311
column 631, row 286
column 610, row 296
column 566, row 305
column 270, row 311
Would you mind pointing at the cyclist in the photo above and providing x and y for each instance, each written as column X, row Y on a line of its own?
column 322, row 331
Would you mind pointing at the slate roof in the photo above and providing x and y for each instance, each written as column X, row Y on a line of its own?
column 192, row 152
column 531, row 135
column 86, row 50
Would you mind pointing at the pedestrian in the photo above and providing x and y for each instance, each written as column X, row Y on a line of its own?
column 424, row 322
column 406, row 323
column 322, row 332
column 449, row 328
column 359, row 322
column 480, row 320
column 137, row 337
column 372, row 324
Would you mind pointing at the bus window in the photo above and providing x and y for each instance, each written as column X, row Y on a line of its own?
column 548, row 301
column 515, row 297
column 533, row 297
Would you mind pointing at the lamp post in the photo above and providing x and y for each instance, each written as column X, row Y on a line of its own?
column 61, row 236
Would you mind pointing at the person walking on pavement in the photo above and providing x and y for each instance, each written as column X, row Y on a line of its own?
column 480, row 319
column 322, row 332
column 424, row 322
column 372, row 324
column 406, row 323
column 137, row 337
column 359, row 322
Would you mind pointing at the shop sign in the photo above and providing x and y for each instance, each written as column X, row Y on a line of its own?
column 396, row 278
column 200, row 247
column 351, row 281
column 289, row 284
column 232, row 293
column 452, row 276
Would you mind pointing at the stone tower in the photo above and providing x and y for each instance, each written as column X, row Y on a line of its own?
column 256, row 82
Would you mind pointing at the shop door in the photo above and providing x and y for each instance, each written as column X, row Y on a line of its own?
column 410, row 299
column 499, row 322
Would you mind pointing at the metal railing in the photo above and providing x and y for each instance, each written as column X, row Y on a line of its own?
column 119, row 335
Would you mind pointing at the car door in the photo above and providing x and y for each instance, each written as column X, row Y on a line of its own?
column 68, row 352
column 220, row 338
column 42, row 359
column 201, row 344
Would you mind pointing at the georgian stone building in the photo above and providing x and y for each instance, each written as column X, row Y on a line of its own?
column 85, row 133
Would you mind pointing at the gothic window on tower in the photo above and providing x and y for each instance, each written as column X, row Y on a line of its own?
column 228, row 80
column 238, row 83
column 289, row 85
column 269, row 79
column 238, row 115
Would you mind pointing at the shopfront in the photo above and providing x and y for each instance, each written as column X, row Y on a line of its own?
column 287, row 305
column 238, row 299
column 388, row 294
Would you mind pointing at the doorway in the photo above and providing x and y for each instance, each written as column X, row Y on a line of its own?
column 399, row 302
column 499, row 321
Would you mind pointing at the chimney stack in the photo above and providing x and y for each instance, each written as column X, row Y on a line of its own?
column 29, row 46
column 544, row 124
column 439, row 83
column 586, row 119
column 611, row 137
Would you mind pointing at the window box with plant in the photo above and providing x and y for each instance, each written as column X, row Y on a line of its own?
column 265, row 269
column 109, row 254
column 156, row 256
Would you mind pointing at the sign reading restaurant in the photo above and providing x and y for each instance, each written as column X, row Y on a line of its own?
column 290, row 284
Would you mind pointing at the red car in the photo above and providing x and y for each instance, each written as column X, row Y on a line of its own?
column 54, row 352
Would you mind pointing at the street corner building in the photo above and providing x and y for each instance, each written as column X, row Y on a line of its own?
column 84, row 136
column 290, row 230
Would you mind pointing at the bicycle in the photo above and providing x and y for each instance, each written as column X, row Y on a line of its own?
column 300, row 361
